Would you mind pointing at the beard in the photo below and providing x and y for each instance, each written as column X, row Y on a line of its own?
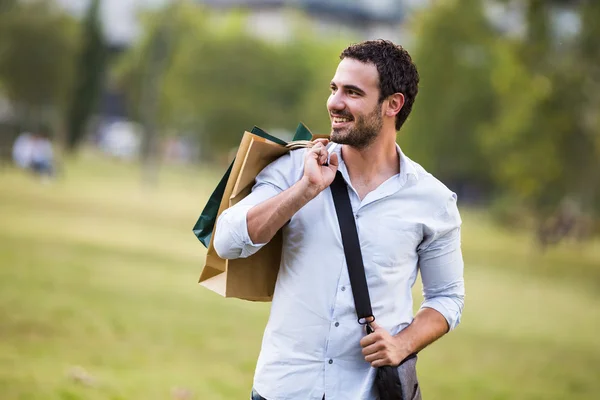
column 364, row 131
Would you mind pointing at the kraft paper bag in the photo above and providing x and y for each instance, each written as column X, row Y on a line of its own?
column 205, row 224
column 251, row 278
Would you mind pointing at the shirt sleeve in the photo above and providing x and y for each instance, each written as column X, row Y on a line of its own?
column 231, row 236
column 441, row 264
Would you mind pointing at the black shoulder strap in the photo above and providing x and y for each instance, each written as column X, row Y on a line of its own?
column 354, row 260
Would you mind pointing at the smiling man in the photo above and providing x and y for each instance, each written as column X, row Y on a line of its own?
column 313, row 346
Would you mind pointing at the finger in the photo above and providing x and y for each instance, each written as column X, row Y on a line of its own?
column 368, row 340
column 334, row 161
column 375, row 357
column 381, row 362
column 323, row 156
column 324, row 142
column 372, row 349
column 317, row 148
column 374, row 325
column 315, row 151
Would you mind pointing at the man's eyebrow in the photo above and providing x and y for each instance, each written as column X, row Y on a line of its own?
column 348, row 87
column 354, row 88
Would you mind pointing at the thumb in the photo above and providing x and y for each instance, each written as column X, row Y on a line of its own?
column 334, row 162
column 374, row 325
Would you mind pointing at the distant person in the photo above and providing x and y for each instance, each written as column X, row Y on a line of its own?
column 21, row 151
column 33, row 152
column 313, row 347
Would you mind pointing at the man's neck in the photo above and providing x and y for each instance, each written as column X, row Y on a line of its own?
column 370, row 167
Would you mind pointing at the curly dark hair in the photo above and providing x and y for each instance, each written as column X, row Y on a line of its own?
column 397, row 72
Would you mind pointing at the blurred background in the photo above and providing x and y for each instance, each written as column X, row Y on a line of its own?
column 118, row 118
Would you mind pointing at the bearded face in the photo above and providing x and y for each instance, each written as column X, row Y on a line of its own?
column 358, row 131
column 354, row 105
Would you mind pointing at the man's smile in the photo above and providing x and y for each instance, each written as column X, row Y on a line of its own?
column 338, row 121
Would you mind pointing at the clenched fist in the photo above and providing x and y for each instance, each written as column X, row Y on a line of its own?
column 318, row 173
column 380, row 348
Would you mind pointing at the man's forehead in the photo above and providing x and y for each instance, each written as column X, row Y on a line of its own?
column 354, row 72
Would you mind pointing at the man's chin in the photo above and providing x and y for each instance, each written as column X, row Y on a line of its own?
column 337, row 135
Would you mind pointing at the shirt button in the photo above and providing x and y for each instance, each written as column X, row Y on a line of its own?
column 343, row 288
column 330, row 361
column 337, row 324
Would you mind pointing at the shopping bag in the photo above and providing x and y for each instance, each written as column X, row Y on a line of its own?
column 206, row 222
column 252, row 278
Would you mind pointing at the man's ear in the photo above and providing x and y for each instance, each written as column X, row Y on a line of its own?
column 395, row 104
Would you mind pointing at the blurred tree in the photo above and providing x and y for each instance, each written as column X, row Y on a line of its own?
column 321, row 59
column 89, row 75
column 453, row 50
column 221, row 81
column 159, row 53
column 517, row 115
column 589, row 52
column 7, row 5
column 543, row 139
column 38, row 43
column 523, row 156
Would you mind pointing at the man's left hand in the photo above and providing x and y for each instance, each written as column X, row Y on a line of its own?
column 380, row 348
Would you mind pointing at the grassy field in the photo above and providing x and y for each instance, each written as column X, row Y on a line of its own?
column 99, row 300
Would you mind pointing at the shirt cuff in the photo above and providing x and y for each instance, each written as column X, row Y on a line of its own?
column 234, row 220
column 449, row 307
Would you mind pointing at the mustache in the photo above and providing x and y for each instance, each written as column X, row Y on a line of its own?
column 343, row 114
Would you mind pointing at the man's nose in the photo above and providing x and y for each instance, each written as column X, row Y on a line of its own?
column 335, row 102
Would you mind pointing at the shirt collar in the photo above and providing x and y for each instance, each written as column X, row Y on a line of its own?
column 407, row 167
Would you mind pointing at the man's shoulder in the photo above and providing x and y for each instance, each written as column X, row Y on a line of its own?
column 284, row 171
column 431, row 188
column 290, row 161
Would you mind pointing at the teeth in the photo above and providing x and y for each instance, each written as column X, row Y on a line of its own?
column 340, row 120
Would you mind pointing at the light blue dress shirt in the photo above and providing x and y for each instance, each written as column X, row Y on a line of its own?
column 311, row 344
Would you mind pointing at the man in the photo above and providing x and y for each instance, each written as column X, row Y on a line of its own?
column 313, row 346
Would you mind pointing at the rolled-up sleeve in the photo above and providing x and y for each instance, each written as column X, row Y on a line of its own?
column 231, row 236
column 441, row 264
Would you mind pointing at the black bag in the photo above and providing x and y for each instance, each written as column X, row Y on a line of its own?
column 392, row 383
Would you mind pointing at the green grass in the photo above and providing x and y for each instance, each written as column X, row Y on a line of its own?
column 99, row 273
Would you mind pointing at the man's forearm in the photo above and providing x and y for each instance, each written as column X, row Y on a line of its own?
column 427, row 326
column 266, row 218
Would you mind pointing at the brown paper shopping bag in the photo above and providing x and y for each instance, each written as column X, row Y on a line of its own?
column 251, row 278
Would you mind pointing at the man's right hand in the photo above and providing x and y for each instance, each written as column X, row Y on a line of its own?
column 318, row 174
column 266, row 218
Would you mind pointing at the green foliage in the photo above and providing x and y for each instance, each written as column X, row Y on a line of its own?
column 90, row 74
column 516, row 116
column 7, row 5
column 524, row 160
column 38, row 44
column 543, row 137
column 222, row 81
column 453, row 49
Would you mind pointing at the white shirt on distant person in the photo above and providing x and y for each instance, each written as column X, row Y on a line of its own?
column 30, row 149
